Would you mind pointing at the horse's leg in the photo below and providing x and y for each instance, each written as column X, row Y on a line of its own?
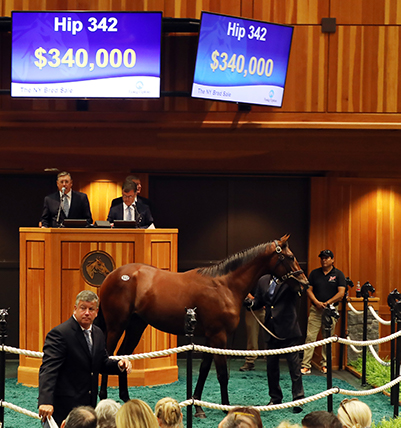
column 203, row 372
column 220, row 362
column 112, row 338
column 133, row 334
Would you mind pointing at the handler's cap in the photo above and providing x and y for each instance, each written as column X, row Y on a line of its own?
column 326, row 253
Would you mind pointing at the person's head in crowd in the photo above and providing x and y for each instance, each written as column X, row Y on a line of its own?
column 86, row 308
column 136, row 180
column 136, row 414
column 168, row 413
column 64, row 180
column 80, row 417
column 242, row 417
column 129, row 192
column 106, row 411
column 286, row 424
column 321, row 419
column 353, row 413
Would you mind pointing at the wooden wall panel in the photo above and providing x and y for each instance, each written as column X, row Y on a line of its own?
column 366, row 12
column 307, row 72
column 291, row 11
column 357, row 220
column 364, row 68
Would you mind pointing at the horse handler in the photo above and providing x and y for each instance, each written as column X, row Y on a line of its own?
column 74, row 355
column 281, row 319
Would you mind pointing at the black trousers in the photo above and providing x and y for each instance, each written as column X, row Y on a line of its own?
column 273, row 370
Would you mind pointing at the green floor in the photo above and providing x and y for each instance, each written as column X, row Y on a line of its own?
column 245, row 388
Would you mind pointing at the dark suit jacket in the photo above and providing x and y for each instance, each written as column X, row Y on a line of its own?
column 281, row 309
column 79, row 209
column 68, row 376
column 116, row 213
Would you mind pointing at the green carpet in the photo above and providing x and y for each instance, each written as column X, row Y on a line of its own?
column 249, row 388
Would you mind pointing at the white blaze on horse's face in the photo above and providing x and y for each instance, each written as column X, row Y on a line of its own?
column 85, row 313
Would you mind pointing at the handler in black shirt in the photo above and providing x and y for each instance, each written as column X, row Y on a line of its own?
column 327, row 286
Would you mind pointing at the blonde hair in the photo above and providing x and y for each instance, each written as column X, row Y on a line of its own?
column 353, row 413
column 286, row 424
column 169, row 412
column 136, row 414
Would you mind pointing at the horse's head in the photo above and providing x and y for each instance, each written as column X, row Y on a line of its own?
column 285, row 266
column 366, row 289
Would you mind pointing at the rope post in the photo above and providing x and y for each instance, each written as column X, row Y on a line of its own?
column 365, row 289
column 3, row 335
column 397, row 310
column 190, row 324
column 348, row 283
column 329, row 313
column 392, row 299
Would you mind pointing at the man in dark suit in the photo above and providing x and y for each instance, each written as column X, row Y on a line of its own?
column 65, row 203
column 281, row 319
column 131, row 208
column 74, row 355
column 137, row 181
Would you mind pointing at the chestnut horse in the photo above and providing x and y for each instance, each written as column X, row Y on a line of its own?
column 137, row 295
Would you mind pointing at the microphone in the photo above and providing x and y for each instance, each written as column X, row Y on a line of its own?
column 63, row 190
column 138, row 217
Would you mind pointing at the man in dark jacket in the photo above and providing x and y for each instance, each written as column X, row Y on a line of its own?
column 74, row 355
column 281, row 319
column 65, row 203
column 131, row 208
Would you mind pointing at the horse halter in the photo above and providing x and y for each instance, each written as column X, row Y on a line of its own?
column 282, row 259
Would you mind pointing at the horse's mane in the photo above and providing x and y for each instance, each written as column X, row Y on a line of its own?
column 233, row 262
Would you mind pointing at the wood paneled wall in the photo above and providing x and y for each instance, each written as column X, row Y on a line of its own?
column 358, row 220
column 354, row 70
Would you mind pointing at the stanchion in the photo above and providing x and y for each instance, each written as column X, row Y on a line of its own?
column 3, row 335
column 393, row 297
column 348, row 283
column 365, row 290
column 190, row 324
column 397, row 310
column 328, row 314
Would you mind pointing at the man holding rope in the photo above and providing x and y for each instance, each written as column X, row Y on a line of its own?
column 282, row 331
column 74, row 355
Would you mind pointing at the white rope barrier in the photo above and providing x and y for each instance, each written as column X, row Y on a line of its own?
column 357, row 351
column 353, row 309
column 377, row 358
column 19, row 410
column 381, row 320
column 194, row 347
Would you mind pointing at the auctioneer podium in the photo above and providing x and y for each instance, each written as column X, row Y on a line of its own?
column 56, row 264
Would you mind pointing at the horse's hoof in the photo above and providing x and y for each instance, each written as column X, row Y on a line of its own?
column 124, row 398
column 199, row 413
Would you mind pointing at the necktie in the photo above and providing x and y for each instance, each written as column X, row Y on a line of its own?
column 66, row 207
column 129, row 214
column 88, row 338
column 272, row 287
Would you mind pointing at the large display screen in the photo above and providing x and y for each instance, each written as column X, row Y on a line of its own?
column 241, row 60
column 86, row 54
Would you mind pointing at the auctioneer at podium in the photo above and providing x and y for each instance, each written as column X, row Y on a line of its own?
column 65, row 203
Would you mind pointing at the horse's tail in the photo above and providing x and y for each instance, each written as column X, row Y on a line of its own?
column 100, row 321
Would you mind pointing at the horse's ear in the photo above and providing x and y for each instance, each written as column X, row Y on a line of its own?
column 284, row 239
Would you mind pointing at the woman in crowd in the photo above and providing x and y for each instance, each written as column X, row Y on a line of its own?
column 242, row 417
column 354, row 414
column 168, row 413
column 106, row 413
column 136, row 414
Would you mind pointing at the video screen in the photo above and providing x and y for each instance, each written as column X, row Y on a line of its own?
column 241, row 60
column 86, row 54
